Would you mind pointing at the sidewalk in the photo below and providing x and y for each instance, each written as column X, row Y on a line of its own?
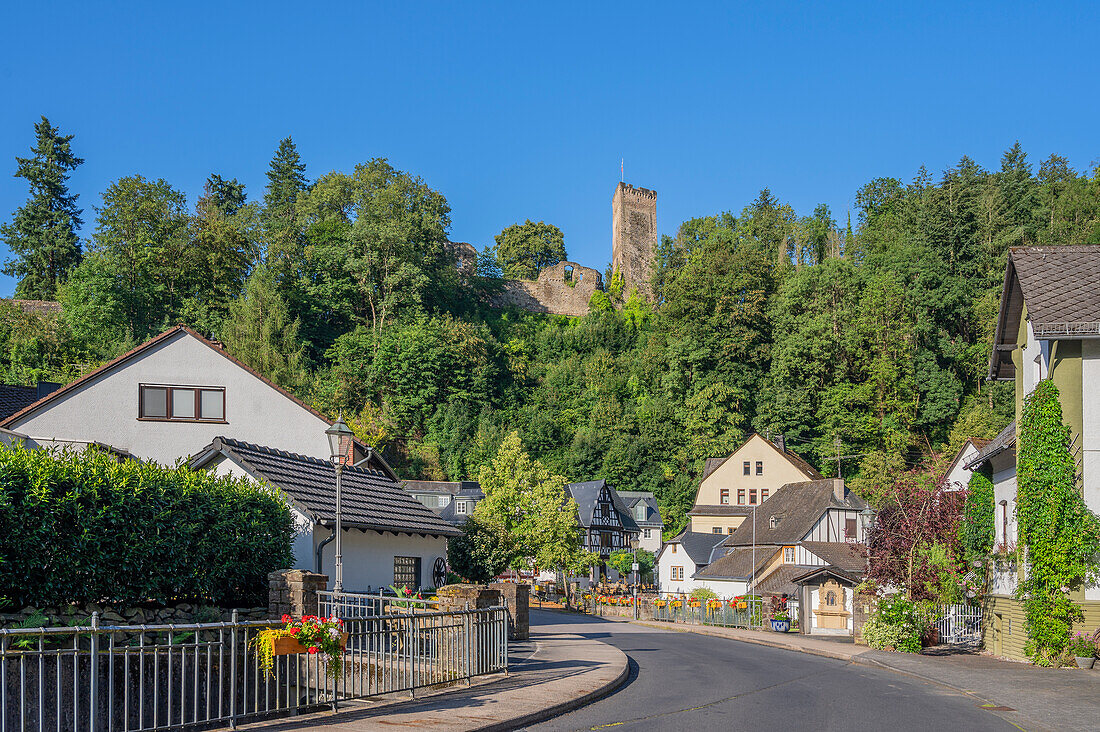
column 548, row 676
column 1037, row 698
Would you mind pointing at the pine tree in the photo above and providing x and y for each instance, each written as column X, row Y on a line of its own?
column 286, row 179
column 42, row 234
column 261, row 332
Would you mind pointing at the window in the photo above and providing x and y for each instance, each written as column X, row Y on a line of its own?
column 759, row 467
column 729, row 530
column 406, row 572
column 640, row 511
column 752, row 497
column 442, row 501
column 850, row 529
column 181, row 403
column 677, row 573
column 725, row 496
column 673, row 548
column 788, row 555
column 741, row 496
column 748, row 465
column 764, row 494
column 460, row 508
column 648, row 533
column 773, row 521
column 716, row 530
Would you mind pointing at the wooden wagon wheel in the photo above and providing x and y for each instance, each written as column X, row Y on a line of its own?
column 439, row 572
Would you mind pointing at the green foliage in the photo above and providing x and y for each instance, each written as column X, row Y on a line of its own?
column 1059, row 533
column 978, row 531
column 622, row 560
column 702, row 594
column 524, row 249
column 481, row 553
column 82, row 527
column 260, row 332
column 896, row 624
column 528, row 504
column 42, row 233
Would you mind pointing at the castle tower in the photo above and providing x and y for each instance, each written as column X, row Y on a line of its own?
column 634, row 236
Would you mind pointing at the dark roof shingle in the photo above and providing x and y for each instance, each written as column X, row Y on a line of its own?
column 700, row 547
column 1005, row 440
column 738, row 564
column 796, row 508
column 369, row 499
column 587, row 494
column 843, row 555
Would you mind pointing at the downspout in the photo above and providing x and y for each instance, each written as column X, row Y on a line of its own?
column 320, row 548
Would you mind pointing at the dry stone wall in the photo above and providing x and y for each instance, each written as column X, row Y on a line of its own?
column 562, row 289
column 634, row 236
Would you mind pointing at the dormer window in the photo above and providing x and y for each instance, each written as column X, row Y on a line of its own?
column 460, row 508
column 773, row 521
column 181, row 403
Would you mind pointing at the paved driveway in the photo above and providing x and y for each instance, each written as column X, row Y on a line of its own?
column 684, row 681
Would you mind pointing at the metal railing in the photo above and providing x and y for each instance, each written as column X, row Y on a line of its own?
column 959, row 624
column 365, row 605
column 153, row 677
column 729, row 613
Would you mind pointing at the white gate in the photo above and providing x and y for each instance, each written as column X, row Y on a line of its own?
column 959, row 624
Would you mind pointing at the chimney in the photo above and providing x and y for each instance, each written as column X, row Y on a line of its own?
column 838, row 489
column 781, row 442
column 347, row 451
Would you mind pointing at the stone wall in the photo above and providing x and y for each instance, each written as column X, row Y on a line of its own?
column 562, row 289
column 517, row 598
column 182, row 613
column 634, row 237
column 294, row 592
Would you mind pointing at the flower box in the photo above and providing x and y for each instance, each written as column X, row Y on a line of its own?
column 287, row 645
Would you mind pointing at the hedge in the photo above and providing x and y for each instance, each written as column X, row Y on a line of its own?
column 79, row 527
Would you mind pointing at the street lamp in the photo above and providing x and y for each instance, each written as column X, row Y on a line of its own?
column 336, row 434
column 866, row 518
column 634, row 550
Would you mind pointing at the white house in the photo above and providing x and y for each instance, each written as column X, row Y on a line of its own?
column 169, row 398
column 390, row 538
column 957, row 477
column 683, row 556
column 642, row 505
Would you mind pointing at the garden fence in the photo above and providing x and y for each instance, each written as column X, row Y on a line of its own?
column 154, row 677
column 366, row 605
column 731, row 613
column 959, row 624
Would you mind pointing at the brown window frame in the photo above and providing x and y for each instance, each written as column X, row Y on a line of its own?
column 759, row 467
column 740, row 496
column 853, row 525
column 747, row 469
column 764, row 492
column 170, row 388
column 724, row 496
column 716, row 529
column 752, row 497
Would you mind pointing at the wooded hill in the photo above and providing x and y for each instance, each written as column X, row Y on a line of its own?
column 869, row 338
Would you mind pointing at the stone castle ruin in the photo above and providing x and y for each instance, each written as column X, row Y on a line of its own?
column 566, row 287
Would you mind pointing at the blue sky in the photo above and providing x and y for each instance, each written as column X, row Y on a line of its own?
column 524, row 110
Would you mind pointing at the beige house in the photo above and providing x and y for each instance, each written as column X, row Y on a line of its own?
column 731, row 486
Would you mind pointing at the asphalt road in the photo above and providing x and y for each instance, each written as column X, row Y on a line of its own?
column 686, row 681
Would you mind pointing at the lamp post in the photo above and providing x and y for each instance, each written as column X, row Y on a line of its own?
column 866, row 518
column 336, row 434
column 634, row 566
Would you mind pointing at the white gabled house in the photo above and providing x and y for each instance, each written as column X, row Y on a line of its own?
column 390, row 538
column 168, row 398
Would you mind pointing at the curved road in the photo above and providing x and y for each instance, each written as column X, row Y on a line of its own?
column 686, row 681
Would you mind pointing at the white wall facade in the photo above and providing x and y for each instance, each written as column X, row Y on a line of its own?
column 1090, row 431
column 651, row 543
column 1002, row 580
column 106, row 408
column 958, row 477
column 725, row 589
column 830, row 527
column 668, row 559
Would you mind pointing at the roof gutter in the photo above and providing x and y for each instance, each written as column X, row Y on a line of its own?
column 320, row 548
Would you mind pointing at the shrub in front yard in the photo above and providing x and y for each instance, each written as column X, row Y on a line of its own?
column 896, row 624
column 80, row 527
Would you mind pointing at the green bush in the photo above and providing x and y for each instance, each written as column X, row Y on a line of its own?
column 897, row 624
column 977, row 525
column 81, row 527
column 702, row 594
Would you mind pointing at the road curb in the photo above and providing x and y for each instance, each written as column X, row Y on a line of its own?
column 567, row 706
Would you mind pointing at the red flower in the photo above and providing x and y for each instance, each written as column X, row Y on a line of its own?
column 295, row 631
column 286, row 618
column 313, row 649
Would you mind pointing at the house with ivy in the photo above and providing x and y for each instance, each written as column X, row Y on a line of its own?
column 1047, row 335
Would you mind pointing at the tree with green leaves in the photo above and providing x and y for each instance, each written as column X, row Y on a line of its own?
column 1060, row 535
column 978, row 531
column 525, row 249
column 286, row 183
column 260, row 332
column 480, row 553
column 622, row 560
column 137, row 272
column 42, row 233
column 530, row 506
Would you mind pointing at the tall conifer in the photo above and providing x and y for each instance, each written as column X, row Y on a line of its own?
column 42, row 233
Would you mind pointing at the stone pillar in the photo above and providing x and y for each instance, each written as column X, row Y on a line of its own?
column 466, row 597
column 517, row 598
column 294, row 592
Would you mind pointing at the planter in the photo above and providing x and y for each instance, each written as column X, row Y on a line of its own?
column 781, row 626
column 288, row 646
column 1085, row 662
